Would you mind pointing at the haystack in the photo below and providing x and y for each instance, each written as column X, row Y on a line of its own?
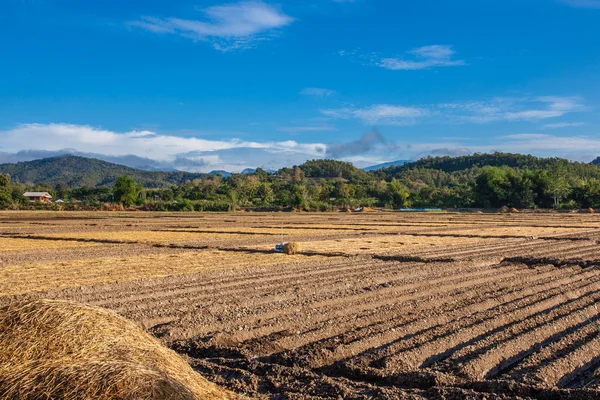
column 504, row 210
column 514, row 210
column 64, row 350
column 291, row 248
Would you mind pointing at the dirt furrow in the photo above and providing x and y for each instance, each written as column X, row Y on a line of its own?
column 525, row 367
column 464, row 333
column 492, row 350
column 285, row 295
column 273, row 315
column 354, row 337
column 270, row 280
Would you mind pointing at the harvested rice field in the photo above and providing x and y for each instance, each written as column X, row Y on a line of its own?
column 375, row 305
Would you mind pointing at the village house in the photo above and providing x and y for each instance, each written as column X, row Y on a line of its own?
column 44, row 197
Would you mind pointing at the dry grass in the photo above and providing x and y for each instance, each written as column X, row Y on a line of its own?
column 386, row 245
column 143, row 236
column 182, row 235
column 514, row 231
column 11, row 244
column 291, row 248
column 64, row 350
column 19, row 279
column 37, row 265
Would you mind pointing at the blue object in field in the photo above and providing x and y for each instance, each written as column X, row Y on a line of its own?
column 279, row 248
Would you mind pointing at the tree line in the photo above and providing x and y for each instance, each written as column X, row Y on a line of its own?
column 477, row 181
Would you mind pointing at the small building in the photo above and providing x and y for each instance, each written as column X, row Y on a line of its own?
column 43, row 197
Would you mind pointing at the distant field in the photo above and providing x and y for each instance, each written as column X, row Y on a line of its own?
column 383, row 304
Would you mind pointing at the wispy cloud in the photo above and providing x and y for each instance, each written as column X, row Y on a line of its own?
column 426, row 57
column 423, row 58
column 541, row 142
column 564, row 125
column 515, row 109
column 499, row 109
column 384, row 114
column 317, row 92
column 227, row 27
column 582, row 3
column 526, row 136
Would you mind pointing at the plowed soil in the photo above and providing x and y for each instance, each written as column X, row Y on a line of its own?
column 376, row 305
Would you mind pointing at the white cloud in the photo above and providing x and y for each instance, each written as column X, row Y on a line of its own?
column 553, row 143
column 582, row 3
column 230, row 26
column 564, row 125
column 384, row 114
column 526, row 136
column 520, row 109
column 500, row 109
column 317, row 92
column 423, row 58
column 165, row 149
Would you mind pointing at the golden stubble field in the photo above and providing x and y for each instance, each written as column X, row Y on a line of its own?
column 383, row 304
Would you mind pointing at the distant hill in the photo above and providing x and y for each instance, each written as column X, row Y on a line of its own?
column 386, row 165
column 471, row 164
column 78, row 171
column 253, row 170
column 224, row 174
column 453, row 164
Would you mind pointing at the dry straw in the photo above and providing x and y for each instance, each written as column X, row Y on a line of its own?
column 291, row 248
column 64, row 350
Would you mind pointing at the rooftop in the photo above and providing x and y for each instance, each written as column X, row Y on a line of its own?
column 37, row 194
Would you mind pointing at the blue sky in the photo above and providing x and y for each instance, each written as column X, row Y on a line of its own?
column 203, row 85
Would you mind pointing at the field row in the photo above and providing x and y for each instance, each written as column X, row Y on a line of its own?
column 375, row 305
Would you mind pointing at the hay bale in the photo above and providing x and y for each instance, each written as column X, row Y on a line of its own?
column 64, row 350
column 514, row 210
column 291, row 248
column 504, row 210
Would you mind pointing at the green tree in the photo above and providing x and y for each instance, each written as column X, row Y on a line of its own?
column 126, row 190
column 4, row 181
column 398, row 194
column 61, row 190
column 558, row 184
column 266, row 193
column 491, row 187
column 6, row 199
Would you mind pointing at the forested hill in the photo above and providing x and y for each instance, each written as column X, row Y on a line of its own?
column 454, row 164
column 78, row 171
column 451, row 164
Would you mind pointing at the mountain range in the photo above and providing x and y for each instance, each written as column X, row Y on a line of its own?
column 77, row 171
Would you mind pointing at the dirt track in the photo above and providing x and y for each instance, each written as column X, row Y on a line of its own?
column 382, row 305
